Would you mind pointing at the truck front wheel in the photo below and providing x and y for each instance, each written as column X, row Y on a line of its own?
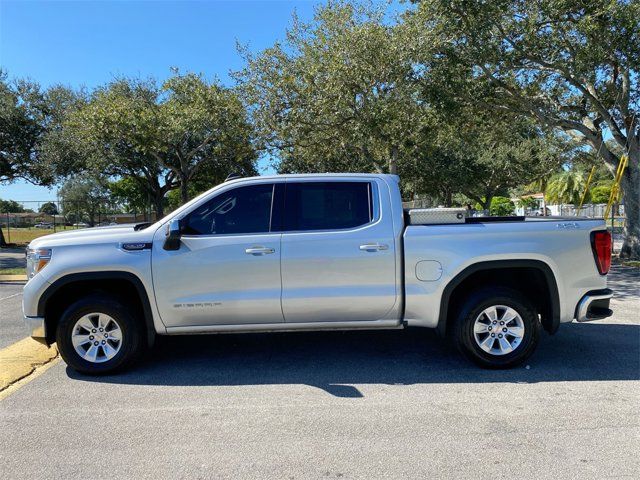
column 98, row 335
column 496, row 328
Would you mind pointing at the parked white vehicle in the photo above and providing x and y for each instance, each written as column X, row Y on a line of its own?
column 313, row 252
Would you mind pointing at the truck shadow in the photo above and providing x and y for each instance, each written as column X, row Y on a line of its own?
column 338, row 361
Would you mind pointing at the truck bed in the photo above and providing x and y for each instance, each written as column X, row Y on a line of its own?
column 561, row 243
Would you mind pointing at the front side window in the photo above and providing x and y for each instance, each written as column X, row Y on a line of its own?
column 327, row 205
column 237, row 211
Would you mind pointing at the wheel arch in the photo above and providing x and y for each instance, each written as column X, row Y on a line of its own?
column 543, row 282
column 51, row 303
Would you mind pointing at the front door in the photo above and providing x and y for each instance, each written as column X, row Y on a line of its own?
column 227, row 270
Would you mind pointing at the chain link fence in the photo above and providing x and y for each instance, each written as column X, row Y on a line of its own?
column 23, row 221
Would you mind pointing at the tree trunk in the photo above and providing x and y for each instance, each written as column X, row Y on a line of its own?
column 158, row 202
column 393, row 161
column 486, row 204
column 448, row 198
column 184, row 189
column 2, row 240
column 631, row 194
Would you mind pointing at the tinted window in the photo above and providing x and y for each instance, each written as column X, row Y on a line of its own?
column 241, row 210
column 327, row 205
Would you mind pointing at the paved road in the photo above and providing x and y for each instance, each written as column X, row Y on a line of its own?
column 11, row 326
column 12, row 258
column 393, row 404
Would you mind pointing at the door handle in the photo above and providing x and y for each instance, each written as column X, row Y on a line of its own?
column 259, row 251
column 374, row 247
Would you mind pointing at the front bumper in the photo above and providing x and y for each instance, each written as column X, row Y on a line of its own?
column 594, row 305
column 37, row 328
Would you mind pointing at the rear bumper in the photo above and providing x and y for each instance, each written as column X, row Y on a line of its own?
column 594, row 305
column 36, row 328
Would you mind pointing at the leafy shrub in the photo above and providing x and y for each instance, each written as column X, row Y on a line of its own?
column 528, row 202
column 600, row 194
column 501, row 206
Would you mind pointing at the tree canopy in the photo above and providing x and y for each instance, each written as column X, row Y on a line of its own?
column 164, row 136
column 30, row 120
column 334, row 96
column 344, row 93
column 571, row 65
column 84, row 197
column 49, row 208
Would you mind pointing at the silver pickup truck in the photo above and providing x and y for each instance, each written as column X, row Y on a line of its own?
column 313, row 252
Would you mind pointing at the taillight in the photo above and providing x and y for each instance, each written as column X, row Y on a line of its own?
column 601, row 246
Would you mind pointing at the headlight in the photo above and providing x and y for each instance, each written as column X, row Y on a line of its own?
column 37, row 259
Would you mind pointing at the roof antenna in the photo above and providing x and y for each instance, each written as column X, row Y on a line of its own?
column 232, row 176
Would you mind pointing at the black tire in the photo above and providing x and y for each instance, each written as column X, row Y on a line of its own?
column 132, row 343
column 463, row 328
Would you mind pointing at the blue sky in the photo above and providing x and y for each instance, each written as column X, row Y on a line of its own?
column 89, row 43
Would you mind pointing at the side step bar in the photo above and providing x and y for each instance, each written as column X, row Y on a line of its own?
column 285, row 327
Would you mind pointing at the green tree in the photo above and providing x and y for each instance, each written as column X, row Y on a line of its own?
column 30, row 121
column 529, row 203
column 570, row 65
column 501, row 207
column 495, row 154
column 20, row 131
column 207, row 134
column 567, row 187
column 85, row 196
column 343, row 93
column 164, row 136
column 11, row 206
column 335, row 97
column 128, row 193
column 48, row 208
column 600, row 194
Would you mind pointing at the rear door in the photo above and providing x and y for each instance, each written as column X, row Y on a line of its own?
column 338, row 252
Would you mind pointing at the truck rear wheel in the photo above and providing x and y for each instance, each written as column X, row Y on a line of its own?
column 98, row 335
column 496, row 328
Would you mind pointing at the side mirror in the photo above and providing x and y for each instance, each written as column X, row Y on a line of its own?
column 172, row 236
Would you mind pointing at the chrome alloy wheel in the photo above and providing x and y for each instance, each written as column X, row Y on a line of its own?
column 498, row 330
column 96, row 337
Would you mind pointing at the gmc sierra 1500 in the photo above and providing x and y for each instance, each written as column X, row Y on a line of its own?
column 313, row 252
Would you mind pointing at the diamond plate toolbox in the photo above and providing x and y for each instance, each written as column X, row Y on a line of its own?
column 434, row 216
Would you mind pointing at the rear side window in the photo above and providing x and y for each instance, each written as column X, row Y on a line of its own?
column 241, row 210
column 327, row 205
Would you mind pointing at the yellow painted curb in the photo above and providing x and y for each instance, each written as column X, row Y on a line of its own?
column 14, row 387
column 12, row 278
column 21, row 359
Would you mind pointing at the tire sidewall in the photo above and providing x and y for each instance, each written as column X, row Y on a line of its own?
column 493, row 297
column 131, row 335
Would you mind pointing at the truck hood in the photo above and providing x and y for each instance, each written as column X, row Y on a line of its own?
column 117, row 233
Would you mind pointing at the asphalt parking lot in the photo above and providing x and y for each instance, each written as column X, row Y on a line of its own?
column 394, row 404
column 11, row 326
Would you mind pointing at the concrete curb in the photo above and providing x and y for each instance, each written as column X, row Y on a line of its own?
column 21, row 359
column 13, row 278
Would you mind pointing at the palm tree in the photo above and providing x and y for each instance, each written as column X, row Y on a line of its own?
column 567, row 187
column 540, row 185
